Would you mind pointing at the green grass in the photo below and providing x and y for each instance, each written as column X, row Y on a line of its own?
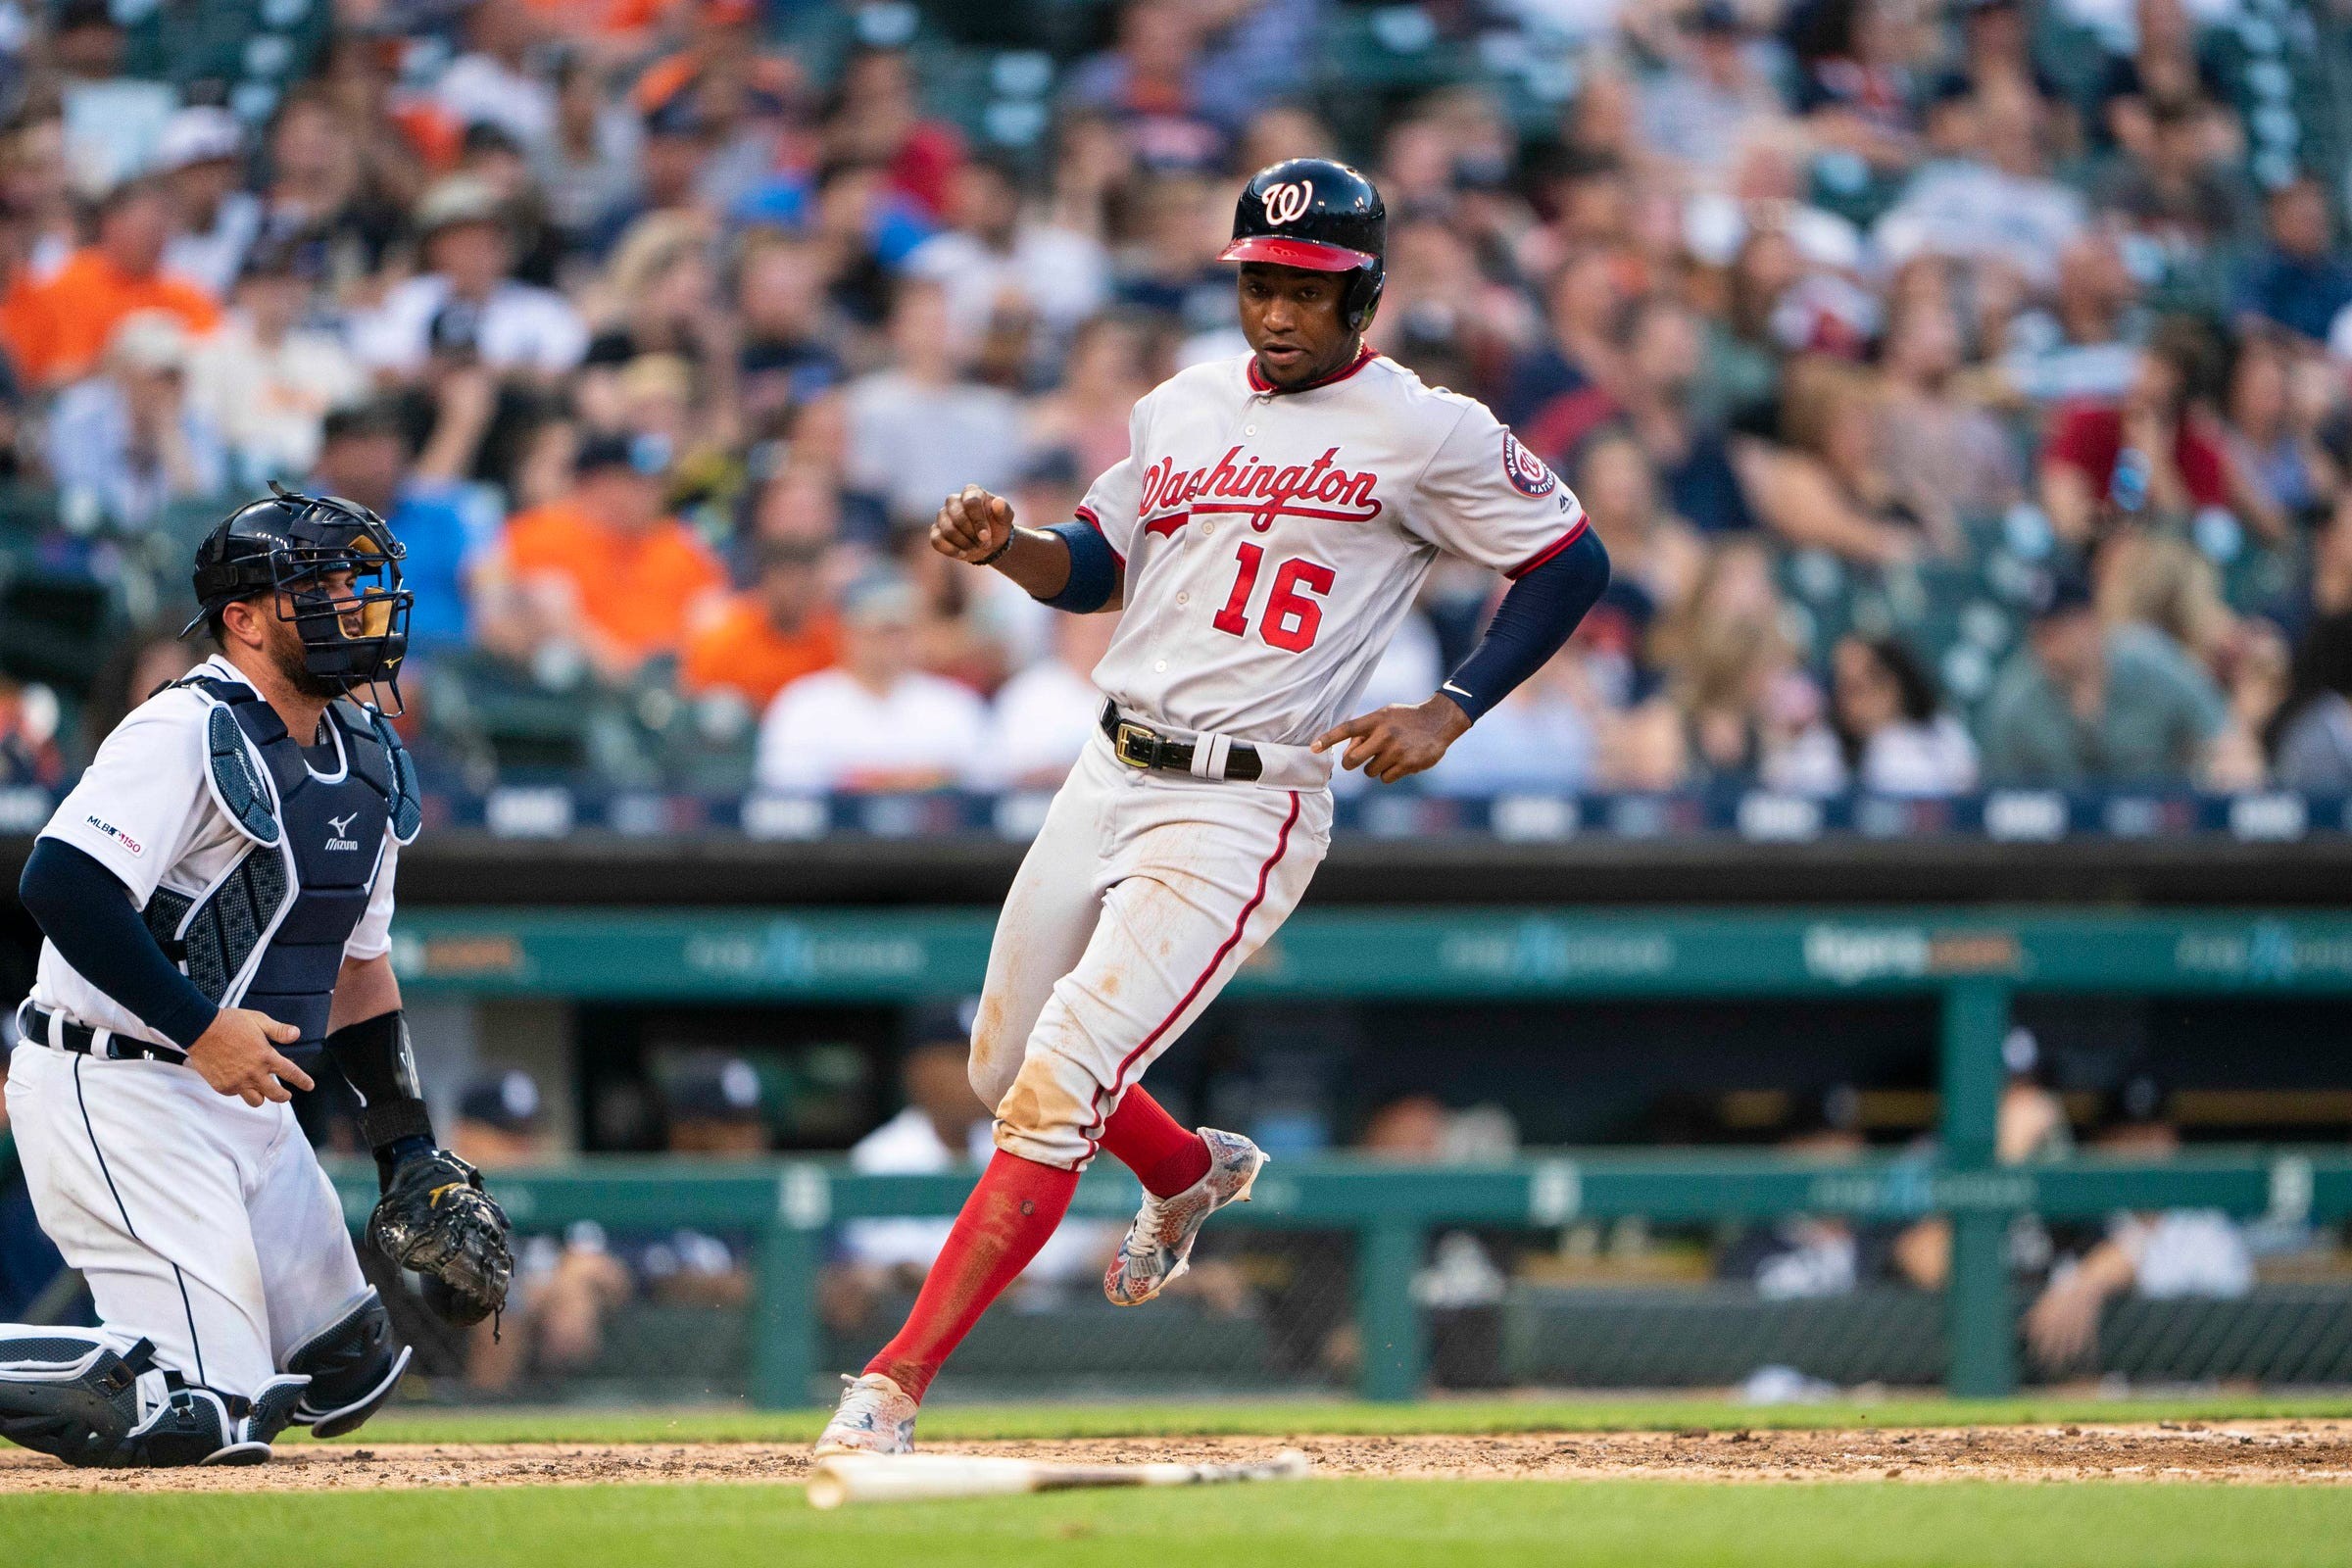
column 1324, row 1523
column 976, row 1422
column 1315, row 1524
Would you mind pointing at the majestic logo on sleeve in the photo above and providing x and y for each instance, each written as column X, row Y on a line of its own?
column 1259, row 491
column 1287, row 202
column 1526, row 471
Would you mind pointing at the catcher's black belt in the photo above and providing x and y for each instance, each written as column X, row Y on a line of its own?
column 84, row 1041
column 1141, row 746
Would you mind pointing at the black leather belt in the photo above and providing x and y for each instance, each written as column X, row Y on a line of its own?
column 83, row 1040
column 1141, row 746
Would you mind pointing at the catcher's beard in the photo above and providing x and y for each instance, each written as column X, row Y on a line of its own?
column 292, row 660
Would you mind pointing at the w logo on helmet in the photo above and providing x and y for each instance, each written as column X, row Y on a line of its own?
column 1287, row 202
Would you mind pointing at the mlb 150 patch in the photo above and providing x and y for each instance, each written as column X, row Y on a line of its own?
column 117, row 835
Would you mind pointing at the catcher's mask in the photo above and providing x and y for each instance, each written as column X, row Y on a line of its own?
column 290, row 546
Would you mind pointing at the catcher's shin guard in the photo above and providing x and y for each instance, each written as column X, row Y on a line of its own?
column 254, row 1422
column 353, row 1365
column 68, row 1393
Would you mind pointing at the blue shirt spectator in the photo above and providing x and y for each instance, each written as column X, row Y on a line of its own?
column 444, row 524
column 2304, row 294
column 125, row 444
column 893, row 224
column 1701, row 487
column 2296, row 282
column 446, row 528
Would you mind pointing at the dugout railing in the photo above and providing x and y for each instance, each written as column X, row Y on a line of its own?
column 1975, row 961
column 792, row 1205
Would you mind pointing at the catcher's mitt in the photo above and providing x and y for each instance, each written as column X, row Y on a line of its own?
column 435, row 1218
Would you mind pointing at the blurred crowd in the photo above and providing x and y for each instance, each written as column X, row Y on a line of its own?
column 1963, row 391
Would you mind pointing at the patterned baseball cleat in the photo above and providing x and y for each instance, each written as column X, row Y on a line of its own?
column 875, row 1417
column 1159, row 1246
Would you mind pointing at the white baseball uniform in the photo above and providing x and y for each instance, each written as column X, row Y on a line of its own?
column 1271, row 541
column 200, row 1222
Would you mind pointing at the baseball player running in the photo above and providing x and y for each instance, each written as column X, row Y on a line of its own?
column 1264, row 537
column 216, row 896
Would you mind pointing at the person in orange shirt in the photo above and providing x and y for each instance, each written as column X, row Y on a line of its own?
column 771, row 635
column 56, row 330
column 721, row 54
column 620, row 21
column 606, row 565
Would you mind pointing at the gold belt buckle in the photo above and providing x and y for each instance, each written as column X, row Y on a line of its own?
column 1144, row 743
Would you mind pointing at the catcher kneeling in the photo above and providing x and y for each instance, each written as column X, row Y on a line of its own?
column 215, row 901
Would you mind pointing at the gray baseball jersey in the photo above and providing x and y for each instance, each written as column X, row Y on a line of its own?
column 1273, row 540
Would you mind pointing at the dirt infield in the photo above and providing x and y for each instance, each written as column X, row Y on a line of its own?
column 2243, row 1452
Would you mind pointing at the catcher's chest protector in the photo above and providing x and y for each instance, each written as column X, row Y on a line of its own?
column 269, row 935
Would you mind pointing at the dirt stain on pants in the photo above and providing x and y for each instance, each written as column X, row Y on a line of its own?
column 1135, row 906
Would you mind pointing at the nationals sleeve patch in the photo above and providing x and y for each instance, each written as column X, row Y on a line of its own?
column 1526, row 471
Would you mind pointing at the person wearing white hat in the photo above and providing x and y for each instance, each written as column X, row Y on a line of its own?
column 467, row 306
column 124, row 443
column 201, row 158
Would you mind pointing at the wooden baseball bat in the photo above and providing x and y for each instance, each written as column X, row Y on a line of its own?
column 845, row 1478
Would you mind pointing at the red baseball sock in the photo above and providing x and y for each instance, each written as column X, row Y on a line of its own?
column 1003, row 1223
column 1165, row 1157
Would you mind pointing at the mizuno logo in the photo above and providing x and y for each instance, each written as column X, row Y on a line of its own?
column 342, row 839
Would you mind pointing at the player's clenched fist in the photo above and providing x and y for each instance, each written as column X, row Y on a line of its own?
column 1396, row 740
column 237, row 1055
column 973, row 526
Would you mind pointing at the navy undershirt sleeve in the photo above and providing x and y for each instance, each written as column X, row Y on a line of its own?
column 1536, row 616
column 1094, row 570
column 86, row 910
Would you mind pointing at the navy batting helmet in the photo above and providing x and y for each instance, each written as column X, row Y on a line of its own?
column 353, row 634
column 1321, row 216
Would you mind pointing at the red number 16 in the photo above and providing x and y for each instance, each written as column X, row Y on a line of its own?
column 1292, row 618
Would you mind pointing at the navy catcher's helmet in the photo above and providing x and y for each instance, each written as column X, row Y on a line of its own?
column 1321, row 216
column 291, row 544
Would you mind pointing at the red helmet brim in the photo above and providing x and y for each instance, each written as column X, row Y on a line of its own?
column 1310, row 254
